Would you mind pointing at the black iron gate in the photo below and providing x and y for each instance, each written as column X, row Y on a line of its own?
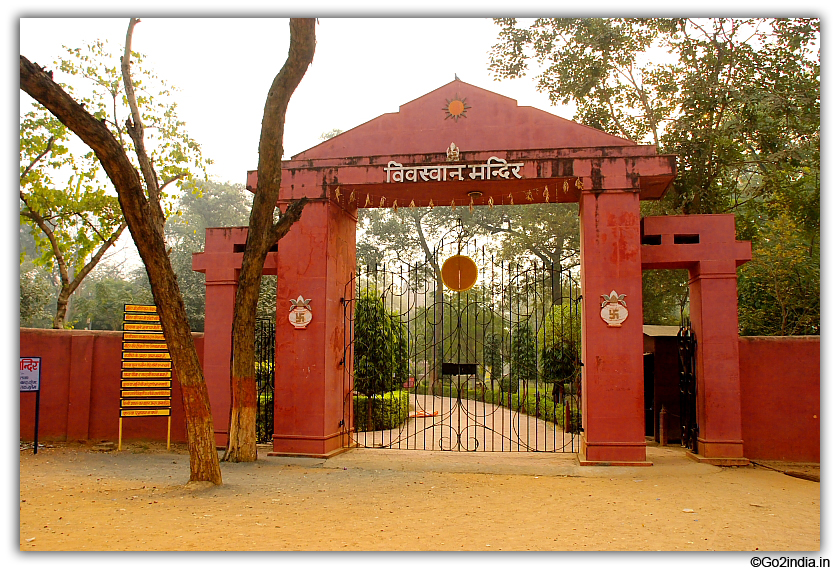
column 264, row 361
column 688, row 387
column 495, row 367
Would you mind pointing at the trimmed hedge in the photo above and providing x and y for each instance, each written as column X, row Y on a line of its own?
column 390, row 410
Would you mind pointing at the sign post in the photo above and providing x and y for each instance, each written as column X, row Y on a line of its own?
column 30, row 381
column 146, row 384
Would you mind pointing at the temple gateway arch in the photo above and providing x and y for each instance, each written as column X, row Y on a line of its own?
column 458, row 145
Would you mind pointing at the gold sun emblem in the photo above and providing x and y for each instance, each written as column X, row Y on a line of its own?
column 456, row 108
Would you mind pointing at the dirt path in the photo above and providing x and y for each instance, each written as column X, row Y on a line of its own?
column 74, row 498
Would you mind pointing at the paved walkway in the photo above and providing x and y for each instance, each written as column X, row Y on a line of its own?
column 450, row 424
column 667, row 461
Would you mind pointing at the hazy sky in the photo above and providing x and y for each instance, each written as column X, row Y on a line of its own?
column 223, row 67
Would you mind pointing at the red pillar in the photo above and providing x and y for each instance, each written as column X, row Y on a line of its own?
column 221, row 280
column 315, row 259
column 713, row 298
column 708, row 249
column 613, row 370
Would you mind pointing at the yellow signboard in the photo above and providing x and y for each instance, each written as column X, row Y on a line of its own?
column 146, row 384
column 143, row 364
column 146, row 355
column 145, row 393
column 141, row 317
column 142, row 336
column 141, row 327
column 145, row 403
column 140, row 309
column 144, row 345
column 147, row 374
column 143, row 413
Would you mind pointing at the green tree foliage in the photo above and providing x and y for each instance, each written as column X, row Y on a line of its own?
column 779, row 289
column 523, row 357
column 493, row 360
column 559, row 342
column 330, row 134
column 736, row 100
column 73, row 220
column 405, row 235
column 96, row 75
column 380, row 348
column 665, row 296
column 548, row 232
column 63, row 193
column 36, row 296
column 142, row 207
column 561, row 325
column 99, row 301
column 596, row 64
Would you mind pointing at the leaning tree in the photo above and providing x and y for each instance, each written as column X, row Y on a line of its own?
column 263, row 233
column 140, row 201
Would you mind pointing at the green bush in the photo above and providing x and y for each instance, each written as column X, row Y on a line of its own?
column 380, row 347
column 523, row 358
column 389, row 410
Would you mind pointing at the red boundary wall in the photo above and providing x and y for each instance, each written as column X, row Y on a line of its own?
column 780, row 397
column 80, row 389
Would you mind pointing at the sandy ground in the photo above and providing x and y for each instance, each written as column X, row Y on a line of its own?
column 73, row 498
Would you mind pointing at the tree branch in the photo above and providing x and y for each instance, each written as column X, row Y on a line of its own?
column 613, row 115
column 93, row 133
column 288, row 218
column 135, row 131
column 204, row 461
column 639, row 87
column 91, row 226
column 173, row 179
column 35, row 160
column 42, row 225
column 77, row 280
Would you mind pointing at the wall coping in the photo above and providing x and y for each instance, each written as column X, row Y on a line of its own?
column 81, row 332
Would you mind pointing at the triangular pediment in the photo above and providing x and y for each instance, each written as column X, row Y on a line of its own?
column 473, row 118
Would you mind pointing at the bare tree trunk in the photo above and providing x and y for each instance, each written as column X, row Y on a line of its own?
column 436, row 372
column 143, row 218
column 262, row 234
column 61, row 306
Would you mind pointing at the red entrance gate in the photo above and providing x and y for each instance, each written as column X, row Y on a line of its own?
column 498, row 153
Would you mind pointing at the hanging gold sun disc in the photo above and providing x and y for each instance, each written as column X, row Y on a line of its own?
column 459, row 273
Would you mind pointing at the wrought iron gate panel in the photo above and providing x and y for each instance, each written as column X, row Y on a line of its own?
column 264, row 343
column 688, row 387
column 494, row 368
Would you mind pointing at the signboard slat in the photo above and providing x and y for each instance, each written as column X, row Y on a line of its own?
column 145, row 413
column 146, row 384
column 142, row 327
column 134, row 393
